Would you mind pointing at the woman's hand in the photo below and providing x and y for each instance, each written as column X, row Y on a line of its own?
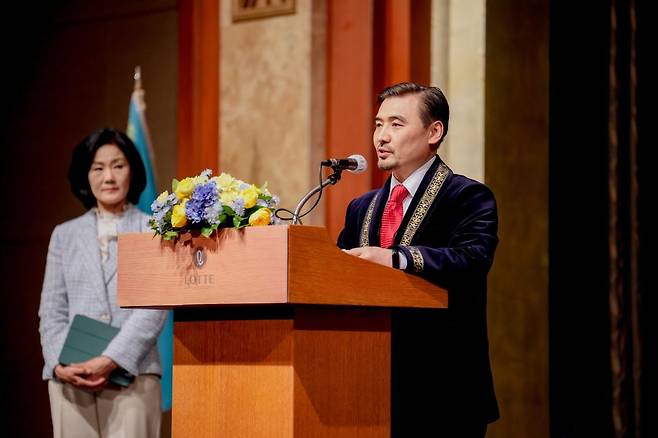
column 92, row 374
column 78, row 377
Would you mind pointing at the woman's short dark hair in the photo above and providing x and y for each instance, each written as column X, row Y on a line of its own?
column 434, row 105
column 83, row 157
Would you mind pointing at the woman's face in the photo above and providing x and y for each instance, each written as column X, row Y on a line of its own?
column 109, row 178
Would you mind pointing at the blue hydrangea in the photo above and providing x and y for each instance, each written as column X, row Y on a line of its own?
column 274, row 201
column 159, row 215
column 160, row 210
column 212, row 213
column 203, row 197
column 168, row 202
column 238, row 206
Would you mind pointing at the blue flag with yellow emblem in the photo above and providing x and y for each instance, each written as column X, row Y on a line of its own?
column 139, row 134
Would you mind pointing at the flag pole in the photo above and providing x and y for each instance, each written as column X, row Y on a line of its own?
column 138, row 78
column 138, row 130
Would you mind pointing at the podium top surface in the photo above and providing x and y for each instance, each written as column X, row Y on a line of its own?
column 284, row 264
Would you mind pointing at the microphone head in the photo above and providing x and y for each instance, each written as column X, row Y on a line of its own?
column 361, row 163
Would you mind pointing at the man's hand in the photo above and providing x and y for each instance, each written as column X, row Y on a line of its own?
column 375, row 254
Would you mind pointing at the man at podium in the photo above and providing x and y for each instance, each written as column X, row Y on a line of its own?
column 428, row 221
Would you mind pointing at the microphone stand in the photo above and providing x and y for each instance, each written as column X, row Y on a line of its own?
column 331, row 180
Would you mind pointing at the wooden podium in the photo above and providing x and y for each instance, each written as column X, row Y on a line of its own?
column 277, row 333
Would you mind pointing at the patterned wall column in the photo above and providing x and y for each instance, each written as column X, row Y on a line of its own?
column 272, row 97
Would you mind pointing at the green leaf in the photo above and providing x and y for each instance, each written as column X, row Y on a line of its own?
column 169, row 235
column 222, row 218
column 236, row 221
column 206, row 231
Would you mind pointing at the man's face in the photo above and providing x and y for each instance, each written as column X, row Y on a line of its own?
column 402, row 143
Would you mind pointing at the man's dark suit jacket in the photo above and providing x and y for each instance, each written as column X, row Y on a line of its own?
column 448, row 235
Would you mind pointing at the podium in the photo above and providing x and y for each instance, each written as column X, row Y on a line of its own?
column 277, row 332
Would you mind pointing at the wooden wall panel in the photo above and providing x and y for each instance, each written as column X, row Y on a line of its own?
column 198, row 87
column 349, row 99
column 517, row 170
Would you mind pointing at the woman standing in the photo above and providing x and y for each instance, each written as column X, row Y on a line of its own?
column 107, row 175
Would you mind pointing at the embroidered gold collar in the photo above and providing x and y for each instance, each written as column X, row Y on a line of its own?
column 419, row 213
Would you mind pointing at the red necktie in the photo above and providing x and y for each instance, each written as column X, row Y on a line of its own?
column 392, row 216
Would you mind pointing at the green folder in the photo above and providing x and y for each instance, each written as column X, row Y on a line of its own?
column 88, row 338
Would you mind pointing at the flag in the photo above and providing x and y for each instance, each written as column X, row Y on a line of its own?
column 138, row 132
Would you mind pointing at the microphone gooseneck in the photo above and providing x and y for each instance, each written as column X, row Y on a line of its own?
column 354, row 163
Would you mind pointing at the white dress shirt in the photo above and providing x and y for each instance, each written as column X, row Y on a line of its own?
column 107, row 231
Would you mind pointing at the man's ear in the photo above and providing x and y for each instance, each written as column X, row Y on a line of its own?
column 435, row 132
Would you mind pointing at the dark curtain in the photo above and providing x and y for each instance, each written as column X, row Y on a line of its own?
column 603, row 322
column 632, row 328
column 623, row 231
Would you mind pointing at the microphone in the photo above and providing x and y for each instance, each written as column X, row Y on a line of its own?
column 354, row 163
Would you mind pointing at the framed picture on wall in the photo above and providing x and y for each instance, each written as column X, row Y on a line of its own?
column 243, row 10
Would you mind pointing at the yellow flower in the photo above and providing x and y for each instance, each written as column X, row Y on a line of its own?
column 225, row 182
column 185, row 188
column 264, row 190
column 228, row 196
column 163, row 196
column 260, row 217
column 178, row 218
column 250, row 196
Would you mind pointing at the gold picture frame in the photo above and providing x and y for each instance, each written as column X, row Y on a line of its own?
column 243, row 10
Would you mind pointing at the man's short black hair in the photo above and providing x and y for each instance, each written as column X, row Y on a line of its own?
column 433, row 104
column 83, row 157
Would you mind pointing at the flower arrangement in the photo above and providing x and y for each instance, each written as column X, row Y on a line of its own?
column 204, row 203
